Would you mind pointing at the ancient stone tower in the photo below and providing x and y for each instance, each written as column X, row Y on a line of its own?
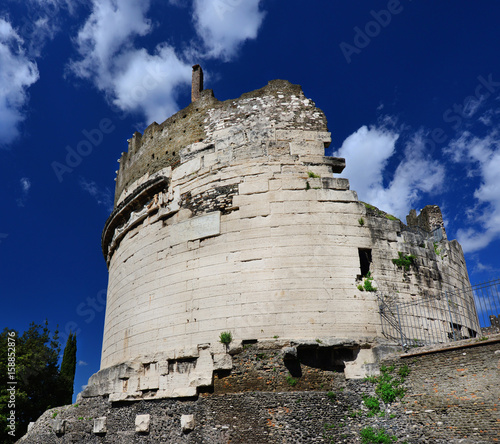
column 229, row 218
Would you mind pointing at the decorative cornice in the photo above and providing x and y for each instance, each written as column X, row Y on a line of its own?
column 133, row 209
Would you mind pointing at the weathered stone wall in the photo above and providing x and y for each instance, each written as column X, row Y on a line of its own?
column 454, row 391
column 250, row 233
column 160, row 144
column 452, row 397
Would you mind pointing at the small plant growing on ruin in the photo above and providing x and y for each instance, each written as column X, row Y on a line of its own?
column 331, row 396
column 436, row 249
column 367, row 284
column 261, row 356
column 54, row 414
column 312, row 175
column 319, row 341
column 404, row 371
column 372, row 403
column 404, row 261
column 389, row 387
column 370, row 435
column 226, row 337
column 361, row 221
column 291, row 381
column 308, row 187
column 275, row 336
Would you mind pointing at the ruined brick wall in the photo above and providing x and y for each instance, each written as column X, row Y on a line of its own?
column 455, row 392
column 452, row 396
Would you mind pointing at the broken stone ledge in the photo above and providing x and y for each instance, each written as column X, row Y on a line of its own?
column 183, row 373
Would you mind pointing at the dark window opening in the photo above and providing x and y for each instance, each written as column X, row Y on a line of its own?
column 326, row 358
column 249, row 341
column 365, row 260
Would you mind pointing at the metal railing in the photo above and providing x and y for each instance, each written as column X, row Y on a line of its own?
column 451, row 316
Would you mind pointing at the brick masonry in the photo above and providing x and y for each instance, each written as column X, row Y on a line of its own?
column 452, row 397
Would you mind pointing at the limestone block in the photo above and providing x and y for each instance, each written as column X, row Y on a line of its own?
column 335, row 183
column 183, row 392
column 255, row 209
column 316, row 147
column 336, row 195
column 202, row 376
column 300, row 135
column 149, row 380
column 186, row 169
column 253, row 186
column 223, row 361
column 142, row 423
column 30, row 425
column 99, row 425
column 197, row 227
column 363, row 366
column 59, row 426
column 187, row 423
column 293, row 183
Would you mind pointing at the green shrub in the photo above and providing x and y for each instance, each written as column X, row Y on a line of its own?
column 291, row 381
column 225, row 337
column 361, row 221
column 404, row 261
column 404, row 371
column 312, row 175
column 372, row 403
column 370, row 435
column 332, row 396
column 367, row 283
column 388, row 387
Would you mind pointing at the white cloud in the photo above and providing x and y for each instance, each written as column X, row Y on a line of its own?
column 82, row 363
column 482, row 159
column 25, row 184
column 135, row 79
column 225, row 24
column 17, row 73
column 367, row 153
column 149, row 83
column 103, row 196
column 25, row 187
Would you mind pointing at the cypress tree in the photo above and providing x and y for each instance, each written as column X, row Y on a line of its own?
column 68, row 368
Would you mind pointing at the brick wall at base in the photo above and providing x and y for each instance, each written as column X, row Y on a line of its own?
column 452, row 397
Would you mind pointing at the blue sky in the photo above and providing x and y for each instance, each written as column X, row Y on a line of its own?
column 410, row 89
